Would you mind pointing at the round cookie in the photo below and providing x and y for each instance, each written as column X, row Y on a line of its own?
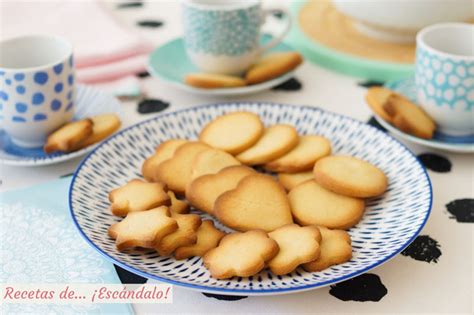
column 276, row 141
column 163, row 152
column 350, row 176
column 409, row 117
column 69, row 137
column 291, row 180
column 103, row 126
column 233, row 132
column 302, row 158
column 273, row 65
column 376, row 97
column 213, row 80
column 176, row 172
column 211, row 162
column 311, row 204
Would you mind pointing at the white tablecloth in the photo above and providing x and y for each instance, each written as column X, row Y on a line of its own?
column 413, row 286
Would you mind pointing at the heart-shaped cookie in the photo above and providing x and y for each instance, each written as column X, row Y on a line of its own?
column 258, row 202
column 203, row 192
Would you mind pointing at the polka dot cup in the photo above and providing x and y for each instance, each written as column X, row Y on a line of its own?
column 222, row 36
column 37, row 88
column 445, row 76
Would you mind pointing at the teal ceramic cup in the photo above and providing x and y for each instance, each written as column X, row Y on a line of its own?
column 445, row 76
column 37, row 88
column 223, row 36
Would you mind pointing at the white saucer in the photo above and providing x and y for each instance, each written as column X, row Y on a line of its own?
column 90, row 102
column 440, row 141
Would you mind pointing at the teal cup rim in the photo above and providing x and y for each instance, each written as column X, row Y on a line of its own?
column 422, row 44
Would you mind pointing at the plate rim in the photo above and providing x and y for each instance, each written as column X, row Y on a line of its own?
column 44, row 161
column 450, row 147
column 240, row 292
column 245, row 90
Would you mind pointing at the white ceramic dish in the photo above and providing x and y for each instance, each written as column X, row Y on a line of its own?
column 391, row 222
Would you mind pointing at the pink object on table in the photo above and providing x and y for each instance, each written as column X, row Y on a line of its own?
column 104, row 50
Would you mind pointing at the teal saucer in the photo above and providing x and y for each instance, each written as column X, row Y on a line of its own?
column 170, row 63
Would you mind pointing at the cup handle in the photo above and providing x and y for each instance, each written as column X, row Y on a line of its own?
column 280, row 37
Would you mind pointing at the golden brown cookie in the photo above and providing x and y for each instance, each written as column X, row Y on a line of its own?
column 376, row 98
column 335, row 249
column 163, row 152
column 233, row 132
column 302, row 157
column 203, row 192
column 350, row 176
column 240, row 255
column 273, row 65
column 137, row 195
column 213, row 80
column 258, row 202
column 177, row 205
column 291, row 180
column 68, row 137
column 409, row 117
column 176, row 172
column 103, row 126
column 185, row 235
column 212, row 161
column 276, row 141
column 298, row 245
column 208, row 237
column 311, row 204
column 143, row 229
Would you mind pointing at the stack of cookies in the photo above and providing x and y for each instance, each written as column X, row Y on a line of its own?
column 266, row 68
column 299, row 219
column 399, row 111
column 82, row 133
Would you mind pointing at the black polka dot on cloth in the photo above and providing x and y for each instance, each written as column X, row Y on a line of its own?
column 423, row 248
column 366, row 287
column 290, row 85
column 143, row 74
column 462, row 210
column 148, row 106
column 225, row 297
column 278, row 14
column 370, row 83
column 132, row 4
column 150, row 23
column 128, row 277
column 435, row 162
column 374, row 123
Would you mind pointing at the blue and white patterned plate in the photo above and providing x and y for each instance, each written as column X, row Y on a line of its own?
column 171, row 63
column 440, row 141
column 390, row 223
column 90, row 102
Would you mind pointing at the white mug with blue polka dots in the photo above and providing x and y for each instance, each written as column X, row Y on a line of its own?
column 445, row 76
column 222, row 36
column 37, row 88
